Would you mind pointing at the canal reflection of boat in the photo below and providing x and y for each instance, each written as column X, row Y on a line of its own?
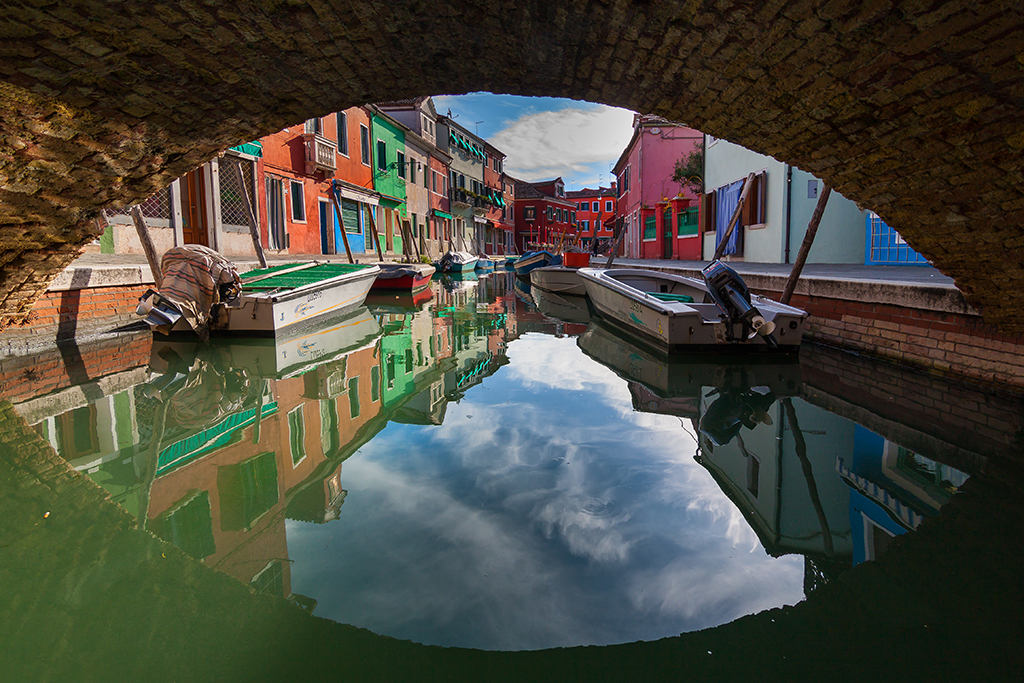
column 201, row 293
column 305, row 347
column 398, row 302
column 571, row 309
column 677, row 312
column 459, row 281
column 558, row 279
column 672, row 375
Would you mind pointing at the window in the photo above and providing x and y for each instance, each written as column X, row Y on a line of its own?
column 382, row 155
column 433, row 181
column 401, row 165
column 353, row 397
column 551, row 213
column 650, row 228
column 297, row 435
column 375, row 383
column 595, row 207
column 364, row 144
column 342, row 118
column 572, row 217
column 275, row 212
column 314, row 126
column 585, row 225
column 298, row 202
column 529, row 213
column 607, row 206
column 686, row 222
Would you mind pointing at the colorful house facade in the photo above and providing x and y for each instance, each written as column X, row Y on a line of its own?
column 776, row 212
column 466, row 184
column 594, row 209
column 543, row 215
column 644, row 181
column 390, row 174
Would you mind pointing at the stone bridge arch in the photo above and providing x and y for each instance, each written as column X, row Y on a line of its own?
column 913, row 109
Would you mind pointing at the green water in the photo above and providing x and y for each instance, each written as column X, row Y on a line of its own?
column 491, row 469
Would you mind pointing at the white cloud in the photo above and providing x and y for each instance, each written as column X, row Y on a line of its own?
column 562, row 143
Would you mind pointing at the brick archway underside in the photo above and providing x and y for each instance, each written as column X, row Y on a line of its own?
column 913, row 109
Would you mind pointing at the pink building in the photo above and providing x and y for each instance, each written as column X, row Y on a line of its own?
column 657, row 210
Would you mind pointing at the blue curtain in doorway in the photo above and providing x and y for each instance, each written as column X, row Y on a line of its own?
column 727, row 196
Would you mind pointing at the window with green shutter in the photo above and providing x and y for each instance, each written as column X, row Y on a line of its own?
column 686, row 222
column 350, row 215
column 650, row 228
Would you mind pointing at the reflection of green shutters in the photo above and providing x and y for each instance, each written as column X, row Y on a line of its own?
column 687, row 222
column 375, row 383
column 650, row 228
column 350, row 215
column 247, row 491
column 353, row 397
column 188, row 525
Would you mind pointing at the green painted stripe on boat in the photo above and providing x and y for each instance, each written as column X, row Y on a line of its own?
column 301, row 278
column 665, row 296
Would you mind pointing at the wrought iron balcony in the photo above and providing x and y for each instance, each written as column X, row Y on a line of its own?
column 321, row 153
column 458, row 195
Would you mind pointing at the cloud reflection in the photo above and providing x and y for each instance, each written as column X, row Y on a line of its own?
column 554, row 516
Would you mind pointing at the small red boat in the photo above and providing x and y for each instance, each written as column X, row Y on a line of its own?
column 408, row 277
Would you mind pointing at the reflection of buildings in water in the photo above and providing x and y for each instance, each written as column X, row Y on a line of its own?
column 215, row 459
column 892, row 490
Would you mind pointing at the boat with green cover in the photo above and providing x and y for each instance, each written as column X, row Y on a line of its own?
column 265, row 301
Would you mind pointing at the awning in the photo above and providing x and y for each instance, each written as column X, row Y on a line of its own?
column 442, row 214
column 357, row 196
column 480, row 221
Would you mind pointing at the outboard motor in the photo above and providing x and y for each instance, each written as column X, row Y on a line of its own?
column 733, row 410
column 732, row 297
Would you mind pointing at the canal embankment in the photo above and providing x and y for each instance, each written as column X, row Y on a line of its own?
column 906, row 314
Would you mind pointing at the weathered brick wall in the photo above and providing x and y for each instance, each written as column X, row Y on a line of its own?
column 943, row 419
column 910, row 108
column 951, row 343
column 23, row 377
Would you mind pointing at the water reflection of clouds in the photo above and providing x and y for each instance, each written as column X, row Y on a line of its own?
column 555, row 515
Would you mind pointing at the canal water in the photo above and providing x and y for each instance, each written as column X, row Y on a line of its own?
column 484, row 466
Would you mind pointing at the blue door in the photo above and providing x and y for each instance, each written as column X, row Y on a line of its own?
column 325, row 226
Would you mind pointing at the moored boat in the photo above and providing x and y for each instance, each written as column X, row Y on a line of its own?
column 201, row 292
column 456, row 262
column 408, row 277
column 564, row 307
column 532, row 260
column 484, row 264
column 558, row 279
column 676, row 312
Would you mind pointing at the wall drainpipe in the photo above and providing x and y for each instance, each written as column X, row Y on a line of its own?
column 789, row 208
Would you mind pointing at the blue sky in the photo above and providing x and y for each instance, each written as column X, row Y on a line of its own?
column 545, row 137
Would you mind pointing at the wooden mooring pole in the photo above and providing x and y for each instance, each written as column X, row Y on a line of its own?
column 147, row 245
column 805, row 246
column 250, row 216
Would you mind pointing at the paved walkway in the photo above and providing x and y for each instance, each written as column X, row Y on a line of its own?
column 897, row 275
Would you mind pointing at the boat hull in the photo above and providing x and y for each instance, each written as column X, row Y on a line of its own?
column 530, row 262
column 676, row 326
column 275, row 312
column 558, row 279
column 409, row 277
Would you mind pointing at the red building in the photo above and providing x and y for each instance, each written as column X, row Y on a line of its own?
column 500, row 229
column 543, row 216
column 594, row 208
column 299, row 167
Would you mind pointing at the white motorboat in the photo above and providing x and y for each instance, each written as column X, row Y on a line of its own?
column 558, row 279
column 675, row 312
column 201, row 292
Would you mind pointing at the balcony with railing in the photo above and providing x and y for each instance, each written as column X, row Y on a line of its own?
column 458, row 195
column 321, row 153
